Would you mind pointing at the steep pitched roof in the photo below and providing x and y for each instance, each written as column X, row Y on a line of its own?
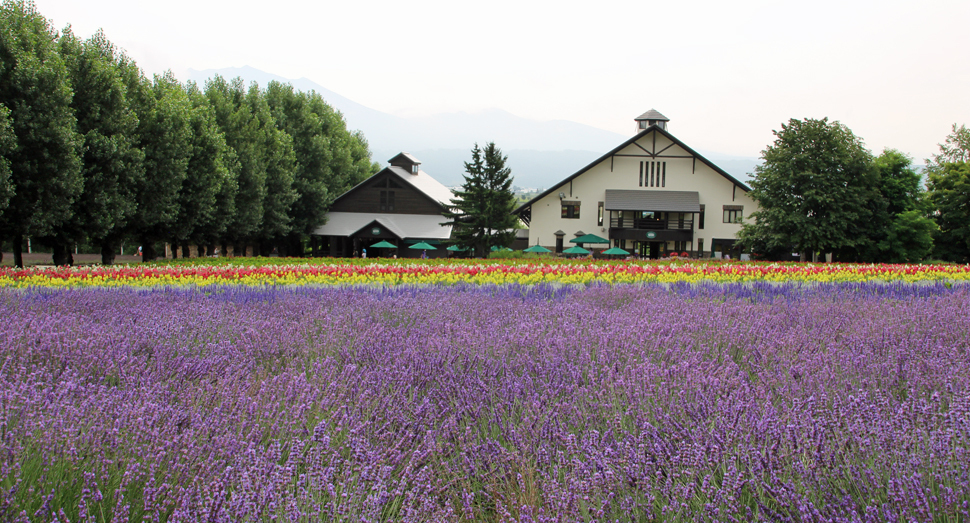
column 421, row 181
column 641, row 134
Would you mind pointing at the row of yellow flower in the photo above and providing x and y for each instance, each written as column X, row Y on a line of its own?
column 474, row 273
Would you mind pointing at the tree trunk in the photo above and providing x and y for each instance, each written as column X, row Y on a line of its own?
column 186, row 252
column 148, row 253
column 210, row 249
column 225, row 249
column 296, row 246
column 256, row 249
column 200, row 249
column 107, row 252
column 239, row 250
column 59, row 253
column 18, row 251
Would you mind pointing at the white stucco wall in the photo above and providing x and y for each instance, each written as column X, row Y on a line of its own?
column 589, row 188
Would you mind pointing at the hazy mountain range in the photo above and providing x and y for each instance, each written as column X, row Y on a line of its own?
column 540, row 153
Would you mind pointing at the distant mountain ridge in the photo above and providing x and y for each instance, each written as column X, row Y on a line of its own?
column 540, row 153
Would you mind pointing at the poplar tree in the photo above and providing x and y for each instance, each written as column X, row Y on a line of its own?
column 165, row 135
column 240, row 129
column 45, row 165
column 112, row 162
column 329, row 159
column 203, row 215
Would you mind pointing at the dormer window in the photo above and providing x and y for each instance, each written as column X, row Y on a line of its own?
column 406, row 162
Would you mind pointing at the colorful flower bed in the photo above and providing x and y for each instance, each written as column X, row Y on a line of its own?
column 764, row 402
column 352, row 272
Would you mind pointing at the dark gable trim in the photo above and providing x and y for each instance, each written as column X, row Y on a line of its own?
column 397, row 176
column 641, row 134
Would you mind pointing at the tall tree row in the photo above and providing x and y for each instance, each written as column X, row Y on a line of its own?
column 92, row 151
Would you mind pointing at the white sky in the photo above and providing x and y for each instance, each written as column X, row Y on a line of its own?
column 725, row 72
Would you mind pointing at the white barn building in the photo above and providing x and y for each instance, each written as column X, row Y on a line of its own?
column 652, row 194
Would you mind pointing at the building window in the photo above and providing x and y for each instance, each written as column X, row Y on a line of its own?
column 700, row 246
column 387, row 201
column 733, row 213
column 651, row 173
column 641, row 174
column 599, row 214
column 414, row 169
column 570, row 209
column 664, row 182
column 700, row 222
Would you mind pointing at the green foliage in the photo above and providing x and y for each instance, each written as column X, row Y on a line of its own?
column 8, row 143
column 956, row 148
column 113, row 164
column 240, row 130
column 481, row 212
column 909, row 238
column 949, row 194
column 165, row 135
column 44, row 166
column 274, row 149
column 816, row 191
column 205, row 198
column 329, row 159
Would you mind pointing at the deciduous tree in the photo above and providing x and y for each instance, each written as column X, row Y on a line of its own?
column 45, row 164
column 814, row 191
column 113, row 164
column 329, row 159
column 165, row 135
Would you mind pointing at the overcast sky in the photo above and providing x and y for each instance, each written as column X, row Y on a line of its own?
column 725, row 72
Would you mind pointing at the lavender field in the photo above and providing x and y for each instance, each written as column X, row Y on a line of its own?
column 639, row 403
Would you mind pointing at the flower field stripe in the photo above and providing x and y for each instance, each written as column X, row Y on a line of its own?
column 474, row 273
column 467, row 402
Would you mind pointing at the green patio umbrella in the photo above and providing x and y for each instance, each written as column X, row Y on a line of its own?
column 423, row 246
column 537, row 248
column 383, row 244
column 575, row 250
column 455, row 248
column 616, row 251
column 589, row 238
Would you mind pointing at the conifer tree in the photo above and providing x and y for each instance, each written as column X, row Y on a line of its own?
column 481, row 211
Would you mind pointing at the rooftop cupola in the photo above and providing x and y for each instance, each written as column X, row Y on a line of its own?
column 651, row 117
column 407, row 162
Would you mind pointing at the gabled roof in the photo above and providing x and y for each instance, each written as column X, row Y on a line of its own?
column 641, row 134
column 421, row 181
column 652, row 114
